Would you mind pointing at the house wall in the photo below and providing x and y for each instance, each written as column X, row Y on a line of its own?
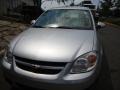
column 3, row 7
column 11, row 4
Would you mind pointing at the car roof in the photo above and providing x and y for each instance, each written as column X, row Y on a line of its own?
column 71, row 7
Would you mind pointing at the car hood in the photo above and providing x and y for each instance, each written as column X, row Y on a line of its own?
column 55, row 45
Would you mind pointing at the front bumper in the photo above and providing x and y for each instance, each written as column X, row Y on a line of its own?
column 59, row 84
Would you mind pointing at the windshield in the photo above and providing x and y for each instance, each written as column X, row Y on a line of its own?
column 65, row 18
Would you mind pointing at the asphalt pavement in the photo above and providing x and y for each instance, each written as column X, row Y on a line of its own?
column 109, row 76
column 110, row 36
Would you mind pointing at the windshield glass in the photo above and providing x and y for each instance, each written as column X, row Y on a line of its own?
column 65, row 18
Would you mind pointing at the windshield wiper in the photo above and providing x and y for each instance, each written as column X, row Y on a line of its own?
column 80, row 28
column 38, row 27
column 63, row 27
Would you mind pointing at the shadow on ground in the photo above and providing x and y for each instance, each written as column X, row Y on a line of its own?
column 104, row 81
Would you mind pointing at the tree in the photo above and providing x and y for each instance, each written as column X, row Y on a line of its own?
column 117, row 10
column 63, row 1
column 72, row 4
column 37, row 3
column 105, row 11
column 118, row 4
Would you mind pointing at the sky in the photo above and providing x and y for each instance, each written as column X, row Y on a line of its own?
column 48, row 4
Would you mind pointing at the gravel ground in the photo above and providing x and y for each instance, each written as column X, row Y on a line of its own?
column 8, row 30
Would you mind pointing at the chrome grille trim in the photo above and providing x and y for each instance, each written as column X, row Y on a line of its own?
column 41, row 67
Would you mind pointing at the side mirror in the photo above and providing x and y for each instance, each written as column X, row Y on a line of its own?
column 100, row 25
column 33, row 22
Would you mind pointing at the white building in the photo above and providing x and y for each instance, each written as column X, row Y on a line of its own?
column 53, row 3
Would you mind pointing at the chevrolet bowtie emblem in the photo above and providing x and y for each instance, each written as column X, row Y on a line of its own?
column 36, row 66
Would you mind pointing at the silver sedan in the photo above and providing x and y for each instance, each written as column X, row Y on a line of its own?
column 60, row 50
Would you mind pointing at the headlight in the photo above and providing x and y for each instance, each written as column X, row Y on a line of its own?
column 8, row 56
column 84, row 63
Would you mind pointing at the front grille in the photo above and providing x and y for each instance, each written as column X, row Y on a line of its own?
column 40, row 67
